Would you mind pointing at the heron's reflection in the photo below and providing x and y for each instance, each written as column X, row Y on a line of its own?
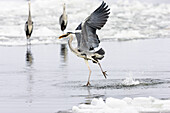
column 29, row 70
column 29, row 56
column 29, row 88
column 63, row 53
column 90, row 96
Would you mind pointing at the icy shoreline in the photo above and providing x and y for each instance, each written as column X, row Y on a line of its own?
column 125, row 105
column 128, row 20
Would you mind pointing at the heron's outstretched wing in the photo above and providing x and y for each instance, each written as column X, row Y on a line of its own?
column 99, row 17
column 89, row 38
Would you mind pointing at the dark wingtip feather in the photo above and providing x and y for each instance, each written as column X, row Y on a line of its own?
column 100, row 52
column 79, row 27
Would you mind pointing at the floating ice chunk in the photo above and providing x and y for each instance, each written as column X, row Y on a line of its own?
column 127, row 100
column 98, row 102
column 3, row 38
column 113, row 105
column 43, row 31
column 130, row 34
column 14, row 31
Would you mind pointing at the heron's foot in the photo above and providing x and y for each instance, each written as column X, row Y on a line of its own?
column 104, row 73
column 88, row 83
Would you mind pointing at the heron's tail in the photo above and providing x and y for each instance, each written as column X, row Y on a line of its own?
column 100, row 51
column 99, row 55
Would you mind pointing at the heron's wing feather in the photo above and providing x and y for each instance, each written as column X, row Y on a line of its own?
column 89, row 38
column 82, row 42
column 60, row 20
column 99, row 17
column 26, row 26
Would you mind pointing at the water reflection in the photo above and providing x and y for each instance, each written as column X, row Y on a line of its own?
column 88, row 98
column 63, row 53
column 29, row 56
column 91, row 96
column 29, row 61
column 29, row 88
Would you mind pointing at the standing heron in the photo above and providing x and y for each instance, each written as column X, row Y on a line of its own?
column 29, row 25
column 63, row 19
column 87, row 38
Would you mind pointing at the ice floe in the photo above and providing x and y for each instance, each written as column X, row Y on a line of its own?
column 125, row 105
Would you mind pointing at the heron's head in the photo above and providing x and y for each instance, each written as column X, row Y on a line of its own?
column 64, row 35
column 64, row 6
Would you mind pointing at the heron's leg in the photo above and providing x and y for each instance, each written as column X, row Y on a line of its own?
column 88, row 82
column 104, row 72
column 29, row 41
column 27, row 45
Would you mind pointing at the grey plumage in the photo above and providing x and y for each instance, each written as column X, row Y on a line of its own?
column 63, row 19
column 29, row 24
column 87, row 39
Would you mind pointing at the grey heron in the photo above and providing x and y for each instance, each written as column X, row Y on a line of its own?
column 29, row 24
column 63, row 19
column 87, row 39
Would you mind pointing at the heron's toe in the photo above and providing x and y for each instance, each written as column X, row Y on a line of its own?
column 105, row 74
column 88, row 83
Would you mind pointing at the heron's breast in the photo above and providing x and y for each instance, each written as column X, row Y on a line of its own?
column 29, row 28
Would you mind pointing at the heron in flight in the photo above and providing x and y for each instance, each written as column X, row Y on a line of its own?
column 29, row 25
column 63, row 19
column 87, row 39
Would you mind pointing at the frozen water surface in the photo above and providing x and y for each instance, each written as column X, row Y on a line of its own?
column 48, row 78
column 129, row 20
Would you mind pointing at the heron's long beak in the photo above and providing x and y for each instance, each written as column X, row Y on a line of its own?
column 62, row 36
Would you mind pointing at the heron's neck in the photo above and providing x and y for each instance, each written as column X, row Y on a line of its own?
column 70, row 45
column 64, row 11
column 64, row 8
column 29, row 16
